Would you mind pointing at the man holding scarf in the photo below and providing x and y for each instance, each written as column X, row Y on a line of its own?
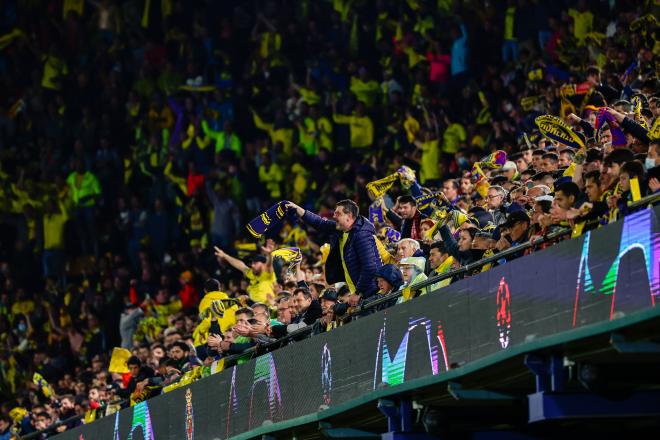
column 409, row 218
column 353, row 257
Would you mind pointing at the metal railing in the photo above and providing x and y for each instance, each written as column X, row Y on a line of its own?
column 49, row 430
column 360, row 310
column 367, row 305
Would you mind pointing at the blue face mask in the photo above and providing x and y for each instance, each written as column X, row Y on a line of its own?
column 463, row 163
column 22, row 327
column 649, row 163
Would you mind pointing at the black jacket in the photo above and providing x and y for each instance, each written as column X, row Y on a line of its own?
column 360, row 253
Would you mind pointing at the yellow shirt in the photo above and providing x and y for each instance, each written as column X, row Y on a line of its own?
column 76, row 6
column 582, row 23
column 444, row 267
column 453, row 136
column 261, row 286
column 349, row 281
column 508, row 23
column 429, row 161
column 324, row 128
column 411, row 125
column 54, row 230
column 283, row 135
column 362, row 129
column 164, row 311
column 54, row 68
column 271, row 178
column 366, row 92
column 22, row 307
column 269, row 44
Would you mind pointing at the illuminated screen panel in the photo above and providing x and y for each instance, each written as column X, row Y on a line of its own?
column 600, row 276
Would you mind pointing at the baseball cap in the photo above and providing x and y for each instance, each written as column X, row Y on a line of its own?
column 515, row 217
column 561, row 180
column 547, row 198
column 509, row 165
column 329, row 294
column 482, row 217
column 259, row 259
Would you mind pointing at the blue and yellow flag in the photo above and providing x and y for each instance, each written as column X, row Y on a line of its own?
column 376, row 214
column 554, row 128
column 273, row 215
column 43, row 385
column 636, row 102
column 290, row 255
column 494, row 160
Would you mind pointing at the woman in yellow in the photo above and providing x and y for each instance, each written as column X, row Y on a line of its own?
column 429, row 172
column 271, row 176
column 362, row 129
column 278, row 131
column 323, row 128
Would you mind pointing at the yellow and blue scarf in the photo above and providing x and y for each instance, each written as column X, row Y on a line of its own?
column 259, row 225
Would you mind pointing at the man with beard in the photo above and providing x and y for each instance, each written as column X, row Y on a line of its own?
column 354, row 256
column 609, row 175
column 408, row 218
column 595, row 209
column 180, row 352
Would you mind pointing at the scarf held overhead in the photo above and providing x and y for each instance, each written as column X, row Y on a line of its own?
column 554, row 128
column 259, row 225
column 378, row 188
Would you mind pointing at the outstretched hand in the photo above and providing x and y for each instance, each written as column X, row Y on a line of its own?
column 268, row 247
column 214, row 341
column 219, row 253
column 299, row 210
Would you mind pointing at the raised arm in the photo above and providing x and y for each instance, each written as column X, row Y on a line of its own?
column 268, row 250
column 450, row 242
column 630, row 126
column 208, row 131
column 234, row 262
column 260, row 124
column 313, row 220
column 394, row 218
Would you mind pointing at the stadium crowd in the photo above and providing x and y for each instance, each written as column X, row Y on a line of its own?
column 399, row 140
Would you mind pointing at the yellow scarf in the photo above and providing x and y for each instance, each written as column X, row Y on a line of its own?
column 349, row 282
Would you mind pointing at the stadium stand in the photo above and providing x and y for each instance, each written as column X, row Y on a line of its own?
column 192, row 189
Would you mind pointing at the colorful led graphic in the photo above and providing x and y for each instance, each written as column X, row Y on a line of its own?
column 232, row 408
column 503, row 316
column 190, row 426
column 443, row 345
column 636, row 233
column 326, row 375
column 392, row 371
column 265, row 372
column 141, row 419
column 115, row 435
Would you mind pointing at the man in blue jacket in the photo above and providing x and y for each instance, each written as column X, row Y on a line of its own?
column 354, row 257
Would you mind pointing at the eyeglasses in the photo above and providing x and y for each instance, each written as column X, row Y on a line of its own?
column 489, row 197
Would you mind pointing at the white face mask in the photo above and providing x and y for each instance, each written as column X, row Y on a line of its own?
column 649, row 163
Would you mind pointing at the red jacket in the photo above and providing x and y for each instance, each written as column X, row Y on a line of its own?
column 189, row 296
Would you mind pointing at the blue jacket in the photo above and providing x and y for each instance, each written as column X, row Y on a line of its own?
column 459, row 53
column 360, row 253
